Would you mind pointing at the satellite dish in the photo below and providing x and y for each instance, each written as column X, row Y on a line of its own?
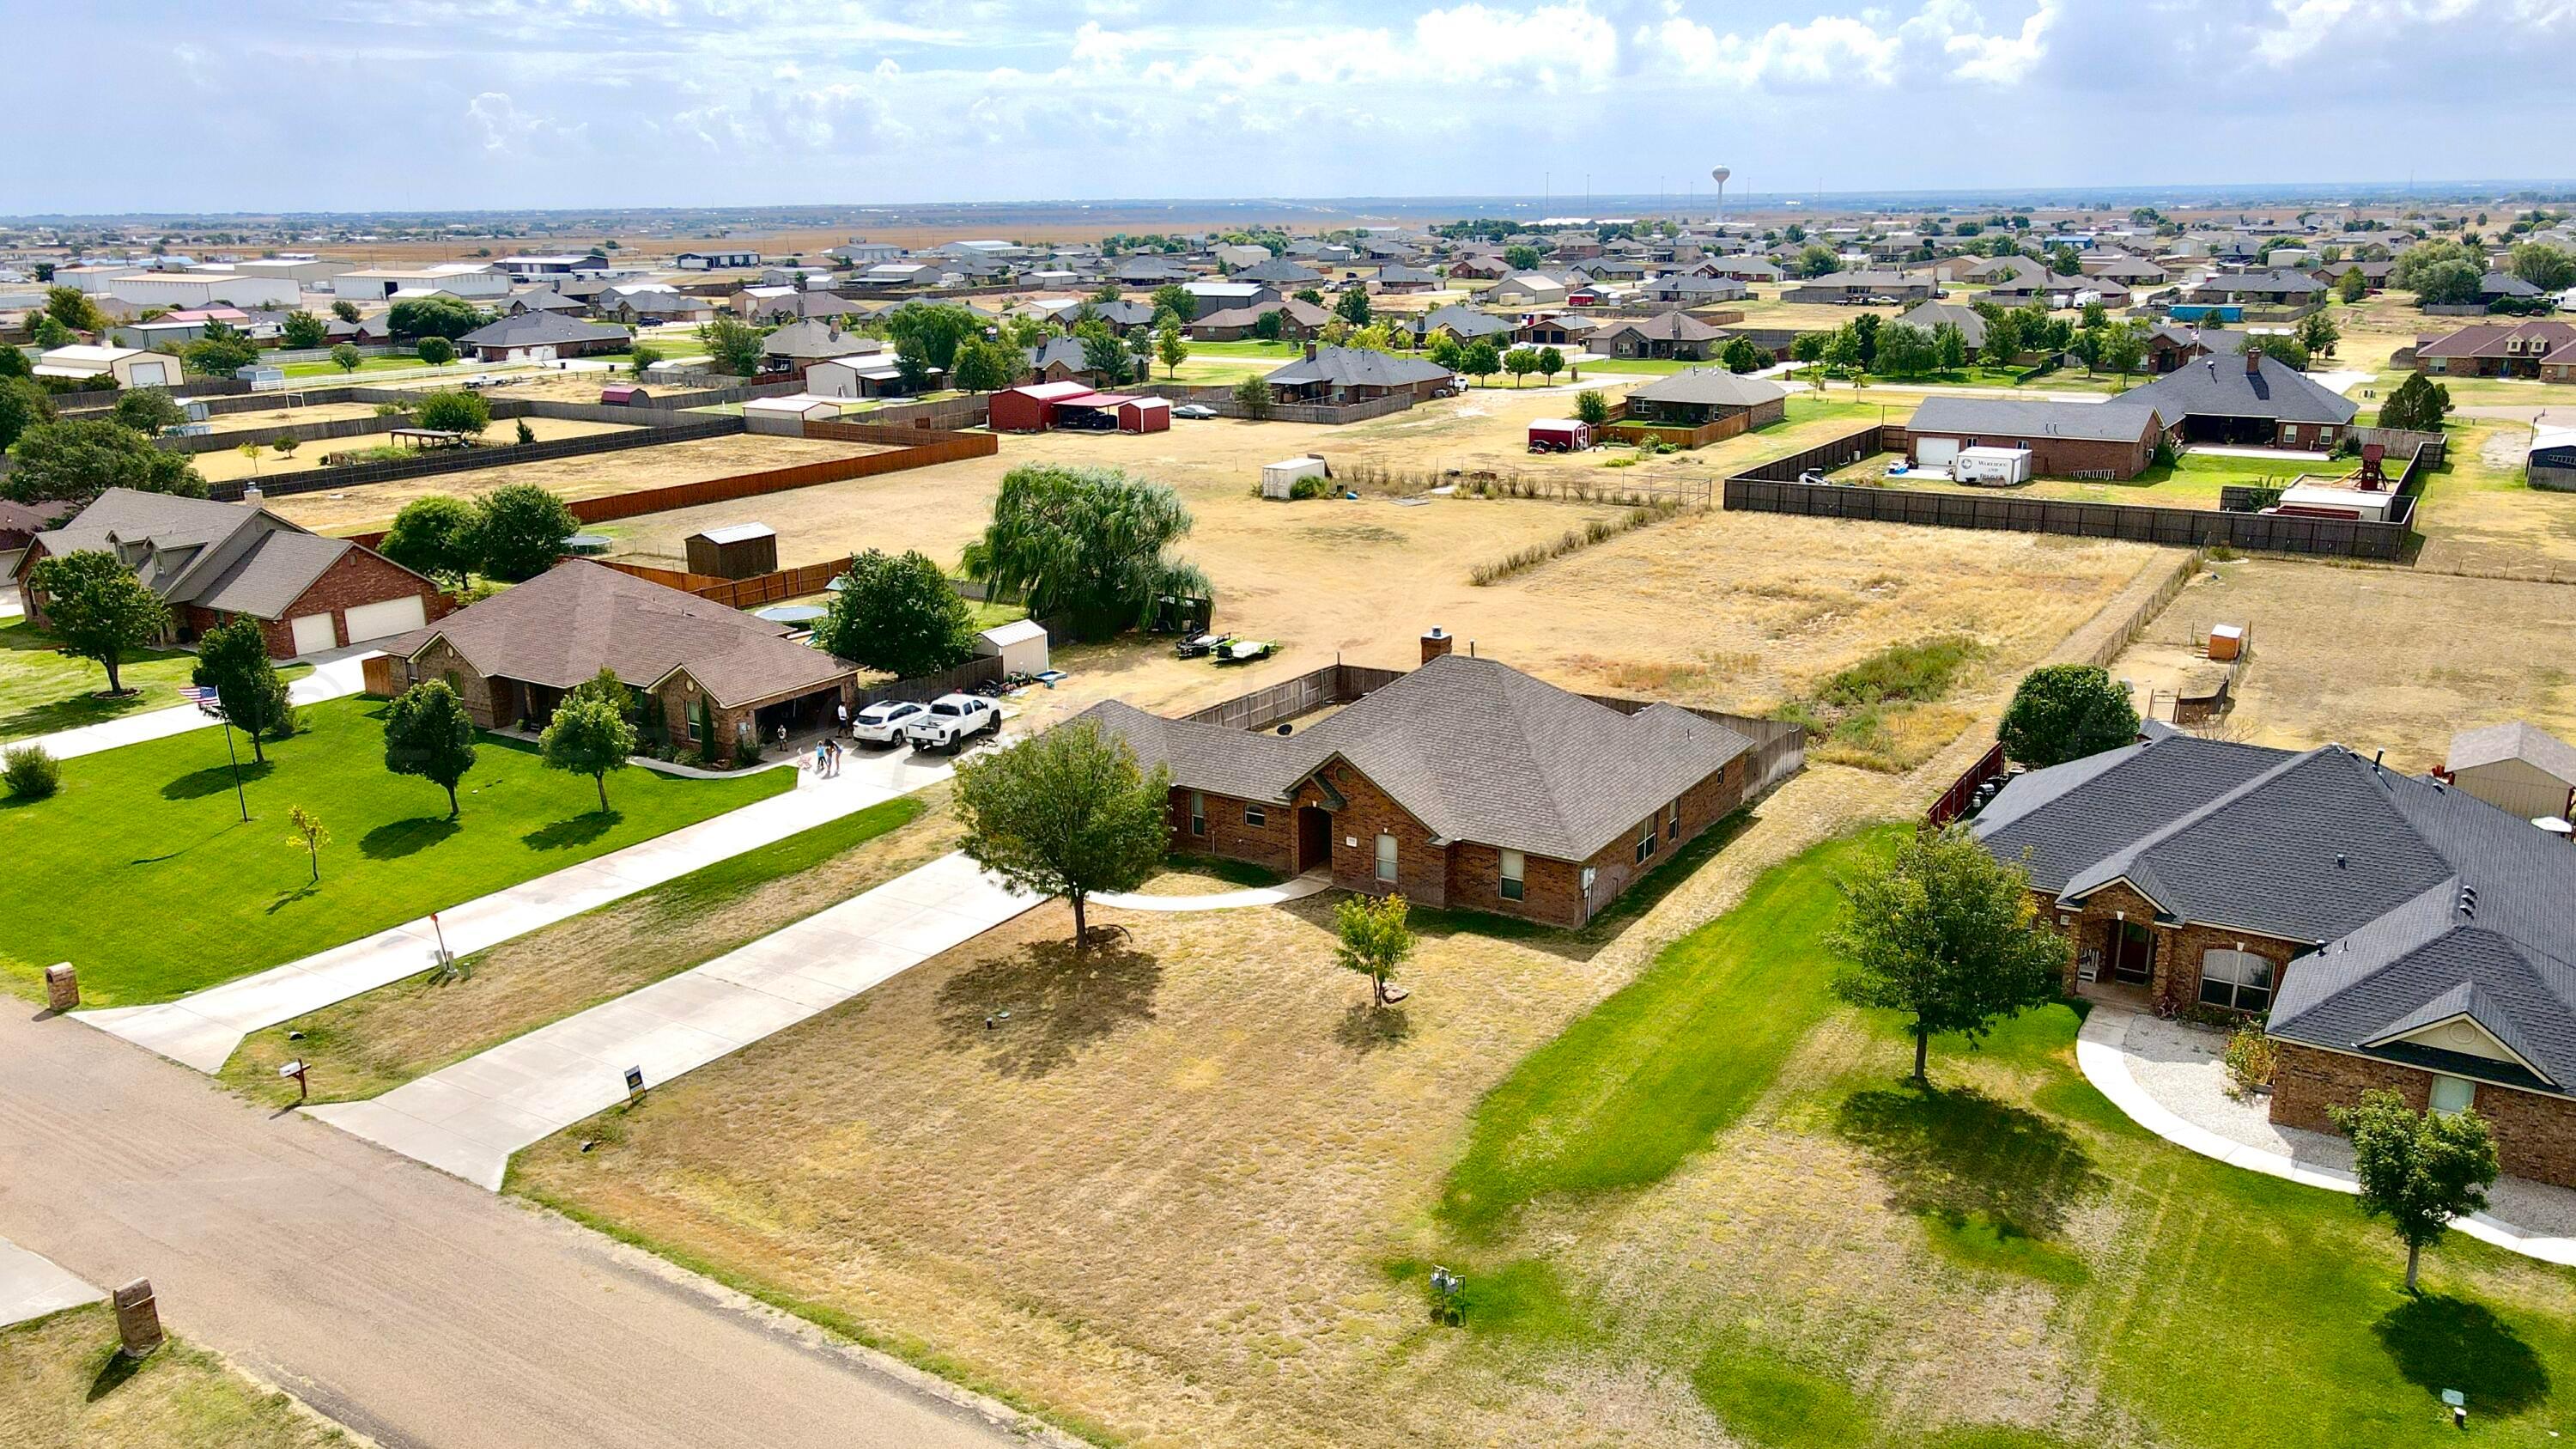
column 1719, row 174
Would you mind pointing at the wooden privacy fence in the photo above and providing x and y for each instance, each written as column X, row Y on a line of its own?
column 1954, row 801
column 466, row 460
column 795, row 583
column 1333, row 684
column 982, row 669
column 2131, row 523
column 1621, row 429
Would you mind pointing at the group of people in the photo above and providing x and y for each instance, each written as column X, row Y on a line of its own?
column 827, row 756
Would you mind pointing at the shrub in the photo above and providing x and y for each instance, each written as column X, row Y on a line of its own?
column 1310, row 488
column 437, row 351
column 31, row 771
column 456, row 410
column 2251, row 1059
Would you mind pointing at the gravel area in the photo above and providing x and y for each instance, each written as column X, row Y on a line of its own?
column 2181, row 1067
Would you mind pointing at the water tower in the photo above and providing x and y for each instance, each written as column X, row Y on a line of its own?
column 1719, row 174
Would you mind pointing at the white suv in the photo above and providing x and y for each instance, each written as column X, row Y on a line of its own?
column 951, row 721
column 883, row 723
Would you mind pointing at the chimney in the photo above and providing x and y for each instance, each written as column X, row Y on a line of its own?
column 2253, row 360
column 1435, row 644
column 1310, row 352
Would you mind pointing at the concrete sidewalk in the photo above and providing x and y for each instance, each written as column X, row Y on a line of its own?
column 202, row 1029
column 469, row 1118
column 1313, row 882
column 335, row 675
column 31, row 1286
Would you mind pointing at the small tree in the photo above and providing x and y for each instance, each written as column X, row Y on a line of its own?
column 1950, row 346
column 98, row 608
column 641, row 357
column 897, row 613
column 345, row 357
column 1520, row 258
column 2064, row 712
column 1171, row 348
column 2352, row 286
column 1066, row 814
column 520, row 529
column 1375, row 940
column 301, row 330
column 732, row 344
column 1480, row 361
column 437, row 351
column 1592, row 407
column 455, row 410
column 428, row 733
column 2319, row 334
column 221, row 352
column 984, row 367
column 1947, row 934
column 434, row 536
column 232, row 660
column 1550, row 363
column 1353, row 306
column 1176, row 299
column 308, row 834
column 2418, row 405
column 2418, row 1170
column 345, row 310
column 1253, row 396
column 1520, row 362
column 589, row 734
column 147, row 410
column 2124, row 351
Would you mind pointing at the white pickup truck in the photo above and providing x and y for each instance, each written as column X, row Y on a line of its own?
column 951, row 721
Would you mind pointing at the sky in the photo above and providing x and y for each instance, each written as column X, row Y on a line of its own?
column 268, row 105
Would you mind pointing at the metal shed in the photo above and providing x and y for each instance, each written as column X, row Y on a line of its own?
column 735, row 551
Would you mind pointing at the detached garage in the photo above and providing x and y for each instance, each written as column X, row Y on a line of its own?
column 1031, row 409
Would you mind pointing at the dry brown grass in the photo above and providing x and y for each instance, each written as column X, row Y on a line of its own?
column 63, row 1385
column 227, row 465
column 2375, row 658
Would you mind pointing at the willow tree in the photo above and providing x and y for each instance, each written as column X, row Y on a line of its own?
column 1087, row 545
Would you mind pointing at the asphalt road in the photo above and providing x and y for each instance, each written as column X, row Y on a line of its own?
column 411, row 1306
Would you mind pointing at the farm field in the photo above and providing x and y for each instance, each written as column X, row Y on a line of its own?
column 2372, row 658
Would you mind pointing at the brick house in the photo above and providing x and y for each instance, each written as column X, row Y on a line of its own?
column 2249, row 400
column 1665, row 336
column 1697, row 396
column 213, row 562
column 2540, row 349
column 2065, row 440
column 531, row 335
column 710, row 672
column 1342, row 375
column 1464, row 784
column 2395, row 931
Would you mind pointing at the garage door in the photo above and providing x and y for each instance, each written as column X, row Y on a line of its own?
column 313, row 634
column 393, row 616
column 1935, row 452
column 149, row 374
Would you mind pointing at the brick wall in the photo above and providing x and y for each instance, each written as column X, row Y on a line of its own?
column 2535, row 1135
column 1271, row 844
column 1422, row 868
column 357, row 577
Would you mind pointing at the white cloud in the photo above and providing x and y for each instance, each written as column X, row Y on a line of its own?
column 502, row 127
column 1944, row 41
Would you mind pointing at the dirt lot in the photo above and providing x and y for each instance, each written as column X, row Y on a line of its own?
column 281, row 415
column 225, row 465
column 374, row 505
column 2375, row 658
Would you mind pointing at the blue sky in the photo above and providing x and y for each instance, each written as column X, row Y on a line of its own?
column 367, row 104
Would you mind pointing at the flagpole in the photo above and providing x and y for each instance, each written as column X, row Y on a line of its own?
column 235, row 755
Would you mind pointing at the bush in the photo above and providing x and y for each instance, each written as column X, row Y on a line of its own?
column 437, row 351
column 1305, row 488
column 2064, row 712
column 1253, row 396
column 456, row 410
column 1591, row 407
column 2251, row 1059
column 32, row 773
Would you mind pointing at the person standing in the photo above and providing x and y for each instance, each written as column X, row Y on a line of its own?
column 842, row 708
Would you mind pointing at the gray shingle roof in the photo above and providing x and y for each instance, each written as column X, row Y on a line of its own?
column 2221, row 387
column 232, row 557
column 1474, row 749
column 1928, row 315
column 2515, row 741
column 539, row 329
column 1356, row 367
column 1711, row 385
column 1998, row 418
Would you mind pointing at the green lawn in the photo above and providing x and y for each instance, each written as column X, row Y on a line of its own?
column 405, row 362
column 42, row 691
column 64, row 1383
column 1720, row 1176
column 2192, row 481
column 142, row 873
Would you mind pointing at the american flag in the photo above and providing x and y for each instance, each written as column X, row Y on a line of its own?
column 198, row 695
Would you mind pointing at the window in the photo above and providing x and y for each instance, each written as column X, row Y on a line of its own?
column 1255, row 816
column 2453, row 1094
column 1513, row 865
column 1673, row 822
column 1386, row 858
column 1645, row 842
column 1198, row 813
column 2239, row 980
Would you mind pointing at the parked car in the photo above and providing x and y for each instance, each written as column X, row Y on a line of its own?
column 1199, row 645
column 884, row 722
column 1194, row 411
column 951, row 721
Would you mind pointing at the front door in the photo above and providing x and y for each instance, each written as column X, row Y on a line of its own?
column 2133, row 953
column 1314, row 838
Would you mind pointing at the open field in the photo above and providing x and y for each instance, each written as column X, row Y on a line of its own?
column 1227, row 1177
column 2479, row 515
column 2373, row 658
column 282, row 414
column 143, row 874
column 63, row 1385
column 324, row 369
column 2194, row 481
column 373, row 505
column 225, row 466
column 42, row 691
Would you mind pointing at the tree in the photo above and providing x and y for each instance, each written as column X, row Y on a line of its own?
column 589, row 734
column 641, row 357
column 306, row 832
column 1270, row 325
column 1946, row 933
column 897, row 613
column 2449, row 284
column 1809, row 347
column 445, row 317
column 2280, row 347
column 1172, row 348
column 75, row 460
column 2417, row 405
column 345, row 310
column 221, row 352
column 1480, row 360
column 2003, row 340
column 1843, row 350
column 14, row 363
column 23, row 405
column 1088, row 544
column 1949, row 346
column 1176, row 299
column 435, row 536
column 2124, row 351
column 2064, row 712
column 98, row 608
column 519, row 529
column 1521, row 258
column 301, row 329
column 912, row 369
column 2550, row 268
column 2418, row 1170
column 50, row 334
column 1374, row 940
column 1066, row 814
column 1818, row 261
column 429, row 734
column 984, row 367
column 1309, row 296
column 939, row 327
column 455, row 410
column 1353, row 306
column 1550, row 363
column 732, row 344
column 437, row 351
column 1742, row 354
column 232, row 660
column 1591, row 407
column 74, row 309
column 346, row 357
column 1905, row 350
column 2352, row 286
column 1253, row 396
column 1520, row 362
